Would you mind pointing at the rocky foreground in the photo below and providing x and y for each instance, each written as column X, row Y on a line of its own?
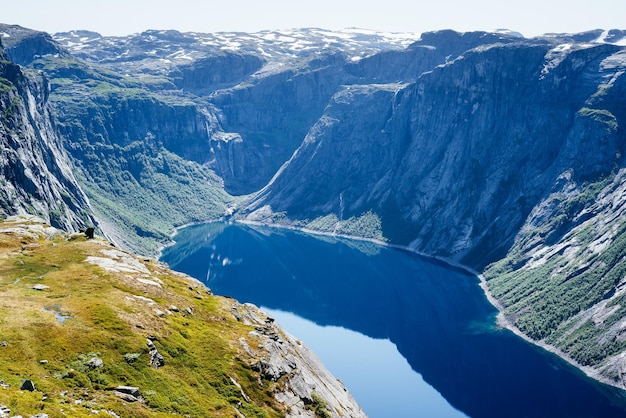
column 88, row 329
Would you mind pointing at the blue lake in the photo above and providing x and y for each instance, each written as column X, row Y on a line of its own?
column 408, row 336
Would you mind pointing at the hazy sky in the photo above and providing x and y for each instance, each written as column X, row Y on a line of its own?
column 122, row 17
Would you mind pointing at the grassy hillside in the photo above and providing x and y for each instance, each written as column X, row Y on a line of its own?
column 76, row 315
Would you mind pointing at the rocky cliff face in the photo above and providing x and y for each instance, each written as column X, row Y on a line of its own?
column 510, row 150
column 452, row 163
column 35, row 171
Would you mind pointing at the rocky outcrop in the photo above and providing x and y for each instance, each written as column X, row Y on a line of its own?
column 431, row 50
column 305, row 384
column 25, row 45
column 222, row 70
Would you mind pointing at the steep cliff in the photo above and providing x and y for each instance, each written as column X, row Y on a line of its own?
column 35, row 171
column 164, row 126
column 140, row 146
column 271, row 116
column 509, row 150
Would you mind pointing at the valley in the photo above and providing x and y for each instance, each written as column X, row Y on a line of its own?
column 500, row 153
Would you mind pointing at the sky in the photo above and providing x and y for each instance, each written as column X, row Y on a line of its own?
column 124, row 17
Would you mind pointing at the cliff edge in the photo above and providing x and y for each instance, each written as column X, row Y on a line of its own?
column 90, row 329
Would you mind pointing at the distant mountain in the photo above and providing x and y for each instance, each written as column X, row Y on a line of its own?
column 502, row 153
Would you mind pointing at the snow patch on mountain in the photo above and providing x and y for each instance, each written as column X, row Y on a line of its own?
column 273, row 44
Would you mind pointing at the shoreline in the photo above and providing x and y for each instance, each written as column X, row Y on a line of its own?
column 171, row 236
column 501, row 320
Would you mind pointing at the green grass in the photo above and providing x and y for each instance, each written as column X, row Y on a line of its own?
column 600, row 115
column 104, row 320
column 5, row 85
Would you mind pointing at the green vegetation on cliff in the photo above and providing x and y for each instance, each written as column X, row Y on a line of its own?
column 563, row 280
column 141, row 155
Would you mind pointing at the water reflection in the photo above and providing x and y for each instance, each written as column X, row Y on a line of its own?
column 436, row 316
column 378, row 376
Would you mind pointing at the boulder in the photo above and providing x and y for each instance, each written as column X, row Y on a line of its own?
column 127, row 397
column 4, row 411
column 28, row 385
column 156, row 359
column 130, row 390
column 95, row 363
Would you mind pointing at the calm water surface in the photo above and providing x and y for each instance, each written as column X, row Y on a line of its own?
column 409, row 337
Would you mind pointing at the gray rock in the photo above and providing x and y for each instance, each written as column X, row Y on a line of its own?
column 156, row 359
column 5, row 412
column 35, row 165
column 281, row 357
column 131, row 390
column 40, row 287
column 126, row 397
column 95, row 363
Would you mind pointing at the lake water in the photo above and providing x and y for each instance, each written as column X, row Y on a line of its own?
column 408, row 336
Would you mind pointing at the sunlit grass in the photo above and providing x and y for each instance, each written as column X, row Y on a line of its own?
column 87, row 312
